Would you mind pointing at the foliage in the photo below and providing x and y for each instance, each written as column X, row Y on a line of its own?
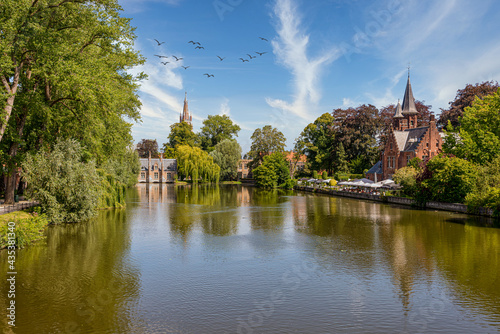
column 316, row 142
column 264, row 142
column 147, row 146
column 194, row 163
column 415, row 163
column 273, row 172
column 407, row 178
column 324, row 175
column 124, row 167
column 315, row 174
column 181, row 134
column 465, row 98
column 216, row 129
column 333, row 182
column 28, row 228
column 226, row 154
column 112, row 191
column 486, row 191
column 478, row 139
column 341, row 165
column 67, row 188
column 446, row 179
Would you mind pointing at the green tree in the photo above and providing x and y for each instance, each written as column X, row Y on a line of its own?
column 446, row 179
column 407, row 178
column 194, row 163
column 273, row 172
column 146, row 147
column 465, row 98
column 340, row 161
column 226, row 154
column 264, row 142
column 181, row 134
column 486, row 190
column 478, row 139
column 316, row 142
column 67, row 188
column 215, row 129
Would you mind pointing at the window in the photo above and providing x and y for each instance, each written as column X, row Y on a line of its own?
column 408, row 158
column 390, row 146
column 411, row 123
column 244, row 166
column 169, row 176
column 143, row 175
column 425, row 157
column 240, row 165
column 427, row 144
column 156, row 175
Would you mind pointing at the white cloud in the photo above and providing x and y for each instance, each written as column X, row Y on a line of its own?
column 291, row 48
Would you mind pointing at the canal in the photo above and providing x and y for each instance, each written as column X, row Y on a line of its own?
column 236, row 259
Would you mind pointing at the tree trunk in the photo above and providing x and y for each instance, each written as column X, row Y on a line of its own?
column 10, row 100
column 10, row 182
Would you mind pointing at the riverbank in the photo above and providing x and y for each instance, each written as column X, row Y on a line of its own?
column 452, row 207
column 22, row 227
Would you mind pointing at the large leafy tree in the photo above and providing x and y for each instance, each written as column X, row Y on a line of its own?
column 317, row 142
column 216, row 129
column 273, row 172
column 465, row 98
column 226, row 154
column 87, row 96
column 357, row 129
column 478, row 138
column 194, row 163
column 264, row 142
column 181, row 134
column 146, row 147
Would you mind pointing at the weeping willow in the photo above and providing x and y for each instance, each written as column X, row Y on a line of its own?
column 194, row 163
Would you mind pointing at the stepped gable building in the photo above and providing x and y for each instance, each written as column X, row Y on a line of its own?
column 185, row 116
column 405, row 140
column 158, row 170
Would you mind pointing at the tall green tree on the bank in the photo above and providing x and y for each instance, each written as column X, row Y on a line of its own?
column 264, row 142
column 465, row 98
column 87, row 96
column 317, row 142
column 146, row 147
column 215, row 129
column 357, row 129
column 226, row 154
column 273, row 172
column 194, row 163
column 478, row 139
column 181, row 134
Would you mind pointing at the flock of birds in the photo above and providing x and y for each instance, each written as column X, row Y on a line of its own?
column 198, row 46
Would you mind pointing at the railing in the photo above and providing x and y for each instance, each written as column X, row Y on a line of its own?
column 6, row 208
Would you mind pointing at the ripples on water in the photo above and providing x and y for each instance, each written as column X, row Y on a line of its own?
column 240, row 260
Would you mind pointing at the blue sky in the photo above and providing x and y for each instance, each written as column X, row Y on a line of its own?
column 321, row 55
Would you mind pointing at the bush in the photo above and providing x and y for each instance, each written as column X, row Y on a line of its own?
column 112, row 191
column 324, row 175
column 67, row 188
column 27, row 230
column 315, row 174
column 273, row 172
column 333, row 182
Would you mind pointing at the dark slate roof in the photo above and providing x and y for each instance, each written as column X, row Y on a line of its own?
column 414, row 137
column 409, row 107
column 376, row 169
column 399, row 111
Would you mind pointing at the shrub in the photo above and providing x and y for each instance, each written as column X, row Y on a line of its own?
column 27, row 230
column 315, row 174
column 324, row 175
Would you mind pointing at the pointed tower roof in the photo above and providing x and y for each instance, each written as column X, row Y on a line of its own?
column 409, row 107
column 399, row 111
column 185, row 117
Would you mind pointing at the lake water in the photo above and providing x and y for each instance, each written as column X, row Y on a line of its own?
column 235, row 259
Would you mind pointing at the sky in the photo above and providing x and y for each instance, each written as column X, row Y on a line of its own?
column 319, row 55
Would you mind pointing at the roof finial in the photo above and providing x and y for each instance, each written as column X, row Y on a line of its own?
column 185, row 96
column 409, row 66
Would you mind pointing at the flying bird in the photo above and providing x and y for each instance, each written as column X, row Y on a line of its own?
column 185, row 67
column 208, row 75
column 176, row 58
column 244, row 60
column 251, row 57
column 161, row 56
column 262, row 38
column 165, row 62
column 197, row 43
column 192, row 42
column 200, row 47
column 261, row 53
column 159, row 43
column 221, row 59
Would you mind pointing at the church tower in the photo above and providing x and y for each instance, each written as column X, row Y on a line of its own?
column 398, row 118
column 409, row 112
column 185, row 116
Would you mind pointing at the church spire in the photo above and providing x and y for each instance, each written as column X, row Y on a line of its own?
column 186, row 117
column 399, row 111
column 409, row 107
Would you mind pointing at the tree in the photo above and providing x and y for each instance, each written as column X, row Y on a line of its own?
column 465, row 98
column 216, row 129
column 340, row 161
column 407, row 178
column 194, row 163
column 316, row 142
column 264, row 142
column 478, row 138
column 146, row 147
column 273, row 172
column 67, row 188
column 226, row 154
column 486, row 190
column 181, row 134
column 357, row 129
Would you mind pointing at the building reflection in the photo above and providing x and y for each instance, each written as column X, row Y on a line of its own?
column 156, row 193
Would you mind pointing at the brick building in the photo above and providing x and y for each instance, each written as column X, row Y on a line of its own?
column 405, row 140
column 158, row 170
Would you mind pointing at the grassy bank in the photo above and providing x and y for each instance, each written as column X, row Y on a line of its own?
column 28, row 227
